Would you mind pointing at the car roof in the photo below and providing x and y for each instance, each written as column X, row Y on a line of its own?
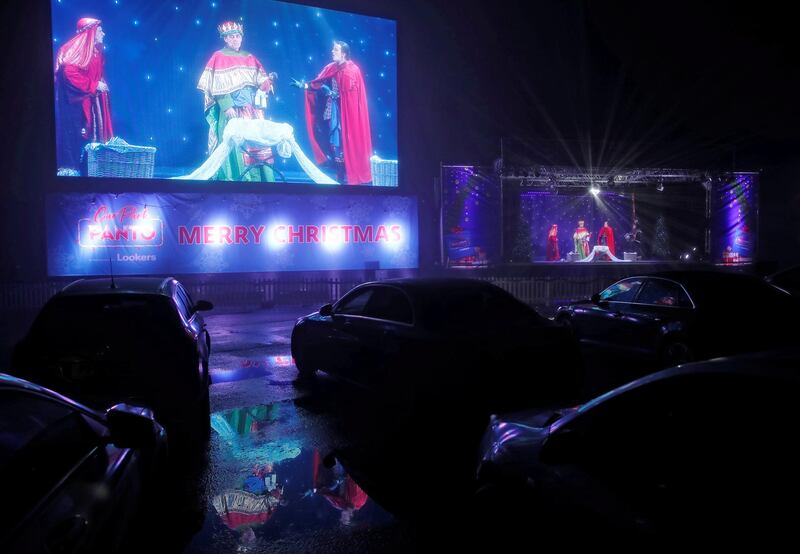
column 780, row 364
column 121, row 285
column 9, row 382
column 425, row 285
column 704, row 281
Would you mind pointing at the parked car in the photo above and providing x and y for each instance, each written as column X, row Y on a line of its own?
column 705, row 448
column 72, row 478
column 787, row 279
column 445, row 338
column 680, row 316
column 137, row 340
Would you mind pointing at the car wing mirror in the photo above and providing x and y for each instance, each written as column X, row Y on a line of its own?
column 131, row 426
column 326, row 310
column 203, row 306
column 596, row 298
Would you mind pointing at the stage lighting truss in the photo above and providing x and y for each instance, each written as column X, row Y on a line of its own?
column 609, row 178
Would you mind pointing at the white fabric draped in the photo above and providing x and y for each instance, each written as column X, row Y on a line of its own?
column 601, row 249
column 259, row 132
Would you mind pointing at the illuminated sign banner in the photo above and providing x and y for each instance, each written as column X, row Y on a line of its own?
column 139, row 233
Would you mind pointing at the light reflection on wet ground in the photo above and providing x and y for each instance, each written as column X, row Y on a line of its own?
column 269, row 484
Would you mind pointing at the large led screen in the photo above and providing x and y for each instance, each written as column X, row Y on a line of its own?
column 224, row 90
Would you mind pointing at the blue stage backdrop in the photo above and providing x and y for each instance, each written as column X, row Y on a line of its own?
column 155, row 52
column 470, row 216
column 220, row 233
column 539, row 210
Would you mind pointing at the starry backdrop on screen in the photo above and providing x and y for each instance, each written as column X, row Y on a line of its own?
column 156, row 50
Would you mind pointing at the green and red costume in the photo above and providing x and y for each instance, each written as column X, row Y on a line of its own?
column 230, row 80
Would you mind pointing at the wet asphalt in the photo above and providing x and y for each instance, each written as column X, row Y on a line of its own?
column 271, row 481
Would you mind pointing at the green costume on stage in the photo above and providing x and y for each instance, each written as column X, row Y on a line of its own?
column 235, row 84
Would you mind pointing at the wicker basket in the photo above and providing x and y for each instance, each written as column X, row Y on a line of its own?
column 384, row 172
column 117, row 158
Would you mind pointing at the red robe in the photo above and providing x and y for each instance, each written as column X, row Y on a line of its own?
column 80, row 87
column 354, row 115
column 608, row 233
column 552, row 254
column 82, row 113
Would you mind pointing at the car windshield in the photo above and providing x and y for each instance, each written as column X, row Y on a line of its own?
column 102, row 319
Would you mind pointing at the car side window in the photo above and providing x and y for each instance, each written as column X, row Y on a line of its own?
column 355, row 303
column 22, row 417
column 628, row 433
column 184, row 303
column 659, row 292
column 40, row 442
column 624, row 291
column 185, row 295
column 390, row 304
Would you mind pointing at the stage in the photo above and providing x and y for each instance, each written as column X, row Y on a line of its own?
column 564, row 217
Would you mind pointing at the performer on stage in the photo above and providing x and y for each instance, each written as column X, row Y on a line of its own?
column 606, row 237
column 552, row 254
column 337, row 117
column 634, row 239
column 83, row 110
column 235, row 85
column 581, row 238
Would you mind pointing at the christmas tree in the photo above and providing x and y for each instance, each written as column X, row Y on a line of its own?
column 661, row 248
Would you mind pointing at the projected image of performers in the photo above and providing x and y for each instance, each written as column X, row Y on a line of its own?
column 206, row 91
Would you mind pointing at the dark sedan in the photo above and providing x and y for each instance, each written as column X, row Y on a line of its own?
column 676, row 317
column 137, row 340
column 458, row 338
column 72, row 478
column 704, row 449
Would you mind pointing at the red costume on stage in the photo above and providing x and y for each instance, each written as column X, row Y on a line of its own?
column 356, row 140
column 606, row 237
column 83, row 111
column 552, row 254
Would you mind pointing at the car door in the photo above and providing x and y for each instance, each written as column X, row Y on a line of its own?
column 195, row 323
column 342, row 342
column 661, row 307
column 386, row 336
column 72, row 491
column 619, row 459
column 602, row 323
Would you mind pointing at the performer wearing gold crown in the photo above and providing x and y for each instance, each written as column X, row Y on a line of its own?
column 581, row 239
column 83, row 110
column 235, row 85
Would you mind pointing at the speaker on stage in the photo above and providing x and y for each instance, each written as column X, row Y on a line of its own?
column 630, row 256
